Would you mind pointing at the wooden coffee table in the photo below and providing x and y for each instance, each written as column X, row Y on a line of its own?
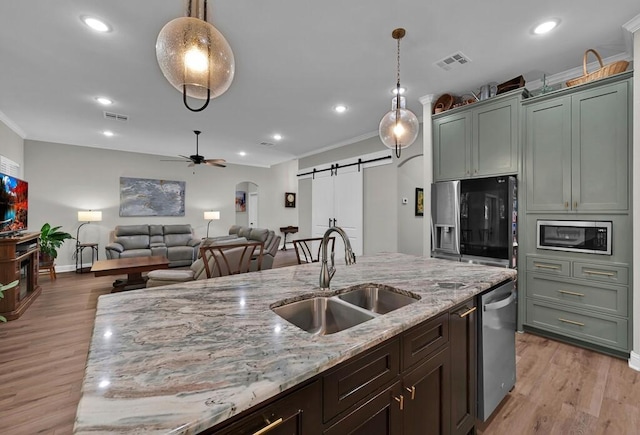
column 133, row 267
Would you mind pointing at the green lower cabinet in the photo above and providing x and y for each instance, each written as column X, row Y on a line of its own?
column 591, row 327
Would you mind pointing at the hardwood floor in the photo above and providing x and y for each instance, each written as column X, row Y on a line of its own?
column 560, row 388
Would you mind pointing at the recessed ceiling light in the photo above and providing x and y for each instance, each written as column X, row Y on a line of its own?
column 242, row 153
column 340, row 108
column 104, row 101
column 107, row 133
column 277, row 136
column 96, row 24
column 394, row 91
column 545, row 27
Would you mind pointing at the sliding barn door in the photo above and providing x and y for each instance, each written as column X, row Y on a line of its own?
column 338, row 200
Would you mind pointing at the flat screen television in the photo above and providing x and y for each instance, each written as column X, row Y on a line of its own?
column 14, row 204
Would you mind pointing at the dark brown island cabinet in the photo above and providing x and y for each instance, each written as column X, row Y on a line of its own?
column 422, row 381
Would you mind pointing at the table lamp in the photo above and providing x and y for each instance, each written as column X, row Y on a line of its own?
column 87, row 216
column 211, row 216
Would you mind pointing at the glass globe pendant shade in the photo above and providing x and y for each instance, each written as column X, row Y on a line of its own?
column 399, row 127
column 195, row 58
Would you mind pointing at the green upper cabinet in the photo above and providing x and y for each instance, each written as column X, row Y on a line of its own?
column 577, row 150
column 480, row 140
column 452, row 146
column 494, row 148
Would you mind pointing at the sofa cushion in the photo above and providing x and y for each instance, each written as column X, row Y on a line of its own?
column 140, row 241
column 155, row 234
column 129, row 253
column 131, row 230
column 180, row 253
column 177, row 239
column 259, row 234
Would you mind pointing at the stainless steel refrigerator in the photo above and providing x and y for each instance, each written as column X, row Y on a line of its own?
column 475, row 220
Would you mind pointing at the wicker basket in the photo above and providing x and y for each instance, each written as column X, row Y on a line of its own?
column 602, row 72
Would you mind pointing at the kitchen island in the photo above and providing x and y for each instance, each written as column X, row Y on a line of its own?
column 182, row 358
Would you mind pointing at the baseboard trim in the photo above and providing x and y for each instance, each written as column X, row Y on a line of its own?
column 634, row 361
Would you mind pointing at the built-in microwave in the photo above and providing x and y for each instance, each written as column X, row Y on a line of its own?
column 591, row 237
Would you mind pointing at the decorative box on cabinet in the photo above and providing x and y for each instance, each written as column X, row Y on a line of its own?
column 577, row 306
column 478, row 140
column 19, row 260
column 577, row 148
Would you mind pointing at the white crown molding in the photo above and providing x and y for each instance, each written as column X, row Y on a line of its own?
column 12, row 125
column 633, row 25
column 634, row 361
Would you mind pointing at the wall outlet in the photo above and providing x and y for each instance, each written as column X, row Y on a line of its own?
column 405, row 200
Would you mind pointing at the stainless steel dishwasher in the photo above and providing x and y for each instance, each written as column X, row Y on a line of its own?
column 496, row 347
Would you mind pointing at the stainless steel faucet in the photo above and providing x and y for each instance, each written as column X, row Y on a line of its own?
column 326, row 272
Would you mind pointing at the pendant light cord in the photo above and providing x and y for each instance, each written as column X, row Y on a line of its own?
column 398, row 150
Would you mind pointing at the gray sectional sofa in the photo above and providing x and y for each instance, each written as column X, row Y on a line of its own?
column 176, row 242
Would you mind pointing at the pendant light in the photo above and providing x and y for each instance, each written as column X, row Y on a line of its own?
column 399, row 127
column 194, row 56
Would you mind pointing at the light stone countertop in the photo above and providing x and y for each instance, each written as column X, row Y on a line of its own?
column 180, row 359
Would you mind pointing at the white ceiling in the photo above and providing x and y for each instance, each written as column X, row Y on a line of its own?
column 295, row 60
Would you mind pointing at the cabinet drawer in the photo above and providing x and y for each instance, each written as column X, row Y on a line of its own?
column 297, row 412
column 592, row 327
column 605, row 298
column 355, row 380
column 601, row 272
column 550, row 266
column 419, row 342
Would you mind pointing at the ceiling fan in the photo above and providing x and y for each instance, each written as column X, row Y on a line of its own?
column 197, row 159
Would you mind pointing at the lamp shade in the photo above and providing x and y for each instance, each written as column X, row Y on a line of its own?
column 211, row 215
column 195, row 57
column 89, row 216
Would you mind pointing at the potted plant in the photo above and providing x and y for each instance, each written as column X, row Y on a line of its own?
column 50, row 240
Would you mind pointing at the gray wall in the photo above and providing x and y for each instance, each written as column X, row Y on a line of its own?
column 64, row 179
column 382, row 208
column 12, row 146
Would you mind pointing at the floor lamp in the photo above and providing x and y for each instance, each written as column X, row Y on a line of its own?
column 86, row 217
column 211, row 216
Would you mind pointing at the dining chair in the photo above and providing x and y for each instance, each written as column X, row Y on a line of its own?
column 231, row 259
column 308, row 250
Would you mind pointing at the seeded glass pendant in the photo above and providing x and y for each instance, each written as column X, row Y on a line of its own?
column 194, row 56
column 399, row 127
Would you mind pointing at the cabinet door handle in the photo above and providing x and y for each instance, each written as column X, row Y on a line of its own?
column 566, row 292
column 566, row 205
column 269, row 427
column 400, row 400
column 546, row 266
column 466, row 313
column 570, row 322
column 412, row 390
column 575, row 205
column 596, row 272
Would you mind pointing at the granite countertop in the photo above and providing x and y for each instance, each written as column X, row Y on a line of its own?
column 182, row 358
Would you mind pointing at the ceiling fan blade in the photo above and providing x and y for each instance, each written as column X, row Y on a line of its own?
column 213, row 163
column 184, row 157
column 175, row 160
column 191, row 164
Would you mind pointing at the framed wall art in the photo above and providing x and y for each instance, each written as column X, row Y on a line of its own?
column 150, row 197
column 419, row 201
column 241, row 201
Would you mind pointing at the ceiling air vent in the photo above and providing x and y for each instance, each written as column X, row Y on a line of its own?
column 116, row 116
column 266, row 144
column 452, row 61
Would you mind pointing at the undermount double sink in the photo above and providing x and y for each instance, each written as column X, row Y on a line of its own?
column 323, row 315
